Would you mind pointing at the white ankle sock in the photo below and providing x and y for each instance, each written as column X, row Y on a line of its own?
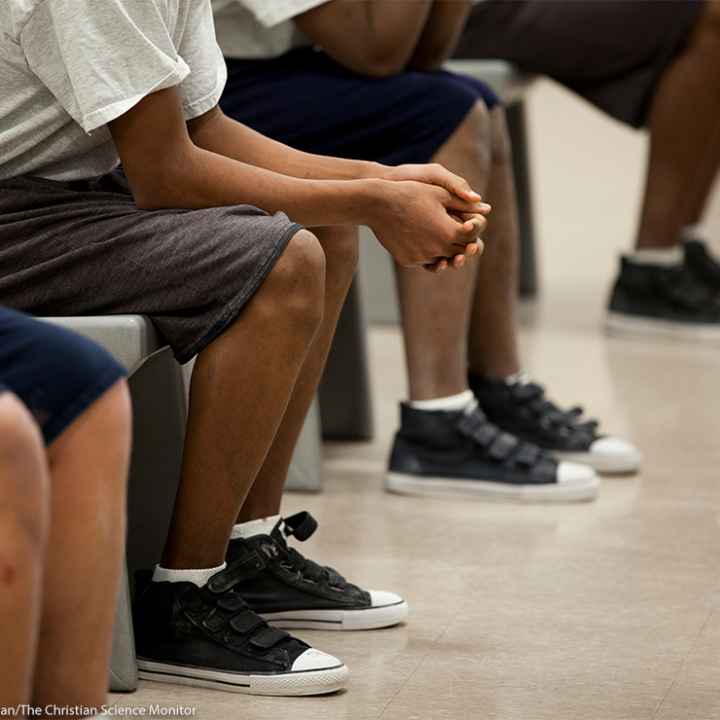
column 699, row 231
column 667, row 257
column 263, row 526
column 451, row 403
column 198, row 577
column 518, row 378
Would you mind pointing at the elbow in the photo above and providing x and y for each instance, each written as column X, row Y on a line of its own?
column 158, row 185
column 150, row 193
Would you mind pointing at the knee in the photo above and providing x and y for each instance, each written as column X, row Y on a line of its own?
column 710, row 18
column 23, row 483
column 341, row 256
column 473, row 139
column 114, row 415
column 294, row 292
column 501, row 143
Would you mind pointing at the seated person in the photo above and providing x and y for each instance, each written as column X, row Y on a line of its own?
column 647, row 64
column 196, row 236
column 64, row 452
column 373, row 93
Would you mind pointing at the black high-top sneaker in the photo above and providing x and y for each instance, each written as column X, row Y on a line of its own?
column 290, row 591
column 702, row 262
column 520, row 407
column 657, row 301
column 208, row 637
column 463, row 453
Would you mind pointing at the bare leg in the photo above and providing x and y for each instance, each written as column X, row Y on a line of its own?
column 493, row 350
column 340, row 245
column 684, row 137
column 24, row 516
column 88, row 464
column 436, row 308
column 238, row 399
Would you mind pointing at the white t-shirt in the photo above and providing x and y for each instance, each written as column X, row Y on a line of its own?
column 68, row 67
column 259, row 28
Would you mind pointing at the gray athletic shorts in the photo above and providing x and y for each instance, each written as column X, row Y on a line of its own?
column 84, row 248
column 611, row 52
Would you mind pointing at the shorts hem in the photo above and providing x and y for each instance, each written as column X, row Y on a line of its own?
column 60, row 422
column 229, row 313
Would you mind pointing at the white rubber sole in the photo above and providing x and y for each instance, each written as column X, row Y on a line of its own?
column 307, row 682
column 583, row 491
column 365, row 619
column 626, row 325
column 604, row 464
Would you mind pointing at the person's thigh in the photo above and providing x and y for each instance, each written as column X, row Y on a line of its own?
column 609, row 52
column 309, row 102
column 567, row 38
column 85, row 249
column 57, row 374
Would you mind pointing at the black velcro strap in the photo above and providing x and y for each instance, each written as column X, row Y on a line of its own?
column 214, row 622
column 527, row 455
column 301, row 525
column 245, row 622
column 470, row 422
column 232, row 602
column 239, row 570
column 267, row 638
column 503, row 446
column 485, row 435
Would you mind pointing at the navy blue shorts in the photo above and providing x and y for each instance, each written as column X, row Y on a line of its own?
column 306, row 100
column 55, row 373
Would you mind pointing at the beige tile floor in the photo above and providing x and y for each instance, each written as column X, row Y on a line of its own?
column 609, row 611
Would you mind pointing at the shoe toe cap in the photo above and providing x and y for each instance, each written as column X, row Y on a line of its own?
column 313, row 659
column 569, row 473
column 617, row 449
column 382, row 598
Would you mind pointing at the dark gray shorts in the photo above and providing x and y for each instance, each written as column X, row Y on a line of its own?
column 611, row 52
column 84, row 248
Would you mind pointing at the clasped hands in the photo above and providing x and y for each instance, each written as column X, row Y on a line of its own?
column 446, row 218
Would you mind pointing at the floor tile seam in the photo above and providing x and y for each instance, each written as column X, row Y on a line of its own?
column 711, row 612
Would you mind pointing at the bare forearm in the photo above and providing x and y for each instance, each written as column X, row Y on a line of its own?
column 441, row 33
column 201, row 179
column 224, row 136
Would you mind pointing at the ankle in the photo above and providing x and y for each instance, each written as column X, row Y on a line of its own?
column 657, row 256
column 448, row 403
column 494, row 371
column 197, row 576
